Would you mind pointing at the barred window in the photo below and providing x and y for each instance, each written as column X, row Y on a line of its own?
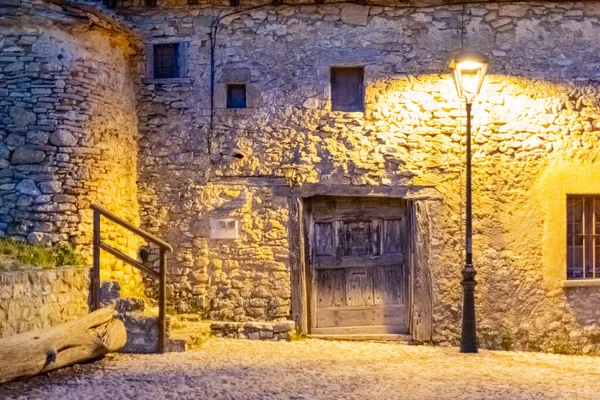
column 583, row 237
column 166, row 60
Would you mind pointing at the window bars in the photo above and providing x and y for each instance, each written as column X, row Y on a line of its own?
column 583, row 237
column 166, row 64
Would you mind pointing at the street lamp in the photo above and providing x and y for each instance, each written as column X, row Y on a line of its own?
column 468, row 71
column 289, row 173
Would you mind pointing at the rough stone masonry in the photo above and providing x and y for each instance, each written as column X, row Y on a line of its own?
column 84, row 123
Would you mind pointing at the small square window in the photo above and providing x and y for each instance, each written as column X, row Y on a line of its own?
column 166, row 60
column 236, row 96
column 347, row 89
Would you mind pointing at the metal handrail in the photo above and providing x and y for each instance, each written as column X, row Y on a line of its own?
column 163, row 246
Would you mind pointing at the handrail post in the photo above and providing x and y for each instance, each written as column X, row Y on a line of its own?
column 98, row 246
column 95, row 278
column 162, row 302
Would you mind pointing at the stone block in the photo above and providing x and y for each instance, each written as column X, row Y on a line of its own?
column 51, row 187
column 253, row 335
column 26, row 155
column 235, row 75
column 28, row 187
column 63, row 138
column 130, row 304
column 284, row 326
column 37, row 137
column 21, row 116
column 40, row 238
column 513, row 10
column 110, row 290
column 354, row 14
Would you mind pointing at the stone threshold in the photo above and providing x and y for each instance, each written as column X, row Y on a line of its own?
column 381, row 337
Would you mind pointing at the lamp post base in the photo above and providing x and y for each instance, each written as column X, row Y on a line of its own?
column 468, row 339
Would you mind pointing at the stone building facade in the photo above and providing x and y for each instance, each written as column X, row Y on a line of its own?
column 171, row 155
column 69, row 128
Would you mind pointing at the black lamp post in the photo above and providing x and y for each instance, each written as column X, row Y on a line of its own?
column 468, row 70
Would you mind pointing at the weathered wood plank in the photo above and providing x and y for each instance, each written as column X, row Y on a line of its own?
column 392, row 315
column 324, row 239
column 364, row 331
column 331, row 288
column 311, row 292
column 392, row 236
column 298, row 264
column 359, row 286
column 367, row 261
column 381, row 213
column 387, row 285
column 422, row 310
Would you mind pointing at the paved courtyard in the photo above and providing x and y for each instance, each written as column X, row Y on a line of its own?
column 316, row 369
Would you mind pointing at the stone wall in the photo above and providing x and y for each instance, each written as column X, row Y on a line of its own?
column 69, row 129
column 37, row 299
column 536, row 127
column 69, row 108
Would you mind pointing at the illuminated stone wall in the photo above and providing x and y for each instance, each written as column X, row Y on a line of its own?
column 69, row 129
column 535, row 139
column 33, row 299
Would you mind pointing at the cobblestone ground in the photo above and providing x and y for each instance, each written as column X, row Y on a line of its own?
column 315, row 369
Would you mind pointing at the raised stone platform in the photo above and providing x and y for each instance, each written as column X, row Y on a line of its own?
column 281, row 330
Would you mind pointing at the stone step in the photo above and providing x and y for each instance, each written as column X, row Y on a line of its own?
column 376, row 337
column 130, row 304
column 188, row 317
column 192, row 334
column 110, row 292
column 142, row 332
column 184, row 332
column 276, row 330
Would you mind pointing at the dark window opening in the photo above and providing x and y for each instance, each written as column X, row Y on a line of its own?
column 583, row 237
column 166, row 60
column 347, row 89
column 236, row 96
column 110, row 3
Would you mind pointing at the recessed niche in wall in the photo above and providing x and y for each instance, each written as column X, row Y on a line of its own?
column 224, row 228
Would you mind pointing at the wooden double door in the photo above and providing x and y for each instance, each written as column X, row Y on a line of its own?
column 358, row 256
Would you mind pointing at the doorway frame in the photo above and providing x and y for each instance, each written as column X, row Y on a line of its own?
column 419, row 200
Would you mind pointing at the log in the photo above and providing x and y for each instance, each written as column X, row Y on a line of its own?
column 37, row 352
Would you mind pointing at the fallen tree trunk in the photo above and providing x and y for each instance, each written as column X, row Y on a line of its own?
column 86, row 338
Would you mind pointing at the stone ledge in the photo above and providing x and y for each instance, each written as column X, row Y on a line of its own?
column 281, row 330
column 579, row 283
column 168, row 81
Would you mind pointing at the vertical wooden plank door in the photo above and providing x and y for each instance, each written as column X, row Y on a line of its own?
column 357, row 250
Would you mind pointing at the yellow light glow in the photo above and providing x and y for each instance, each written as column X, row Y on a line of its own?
column 469, row 65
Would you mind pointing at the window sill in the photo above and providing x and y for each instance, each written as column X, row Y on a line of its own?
column 248, row 111
column 168, row 81
column 579, row 283
column 355, row 113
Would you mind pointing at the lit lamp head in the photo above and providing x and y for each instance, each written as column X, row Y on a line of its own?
column 289, row 172
column 468, row 71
